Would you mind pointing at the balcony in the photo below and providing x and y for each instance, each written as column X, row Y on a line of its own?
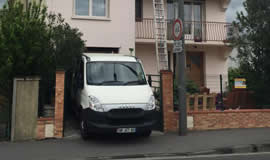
column 194, row 31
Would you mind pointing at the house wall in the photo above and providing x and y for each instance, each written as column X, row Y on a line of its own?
column 148, row 11
column 215, row 62
column 214, row 11
column 215, row 52
column 117, row 31
column 147, row 54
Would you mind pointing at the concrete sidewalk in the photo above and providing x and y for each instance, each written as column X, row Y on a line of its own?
column 75, row 148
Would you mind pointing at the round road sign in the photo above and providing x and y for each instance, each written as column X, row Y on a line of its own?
column 177, row 29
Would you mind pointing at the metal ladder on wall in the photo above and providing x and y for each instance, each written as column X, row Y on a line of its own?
column 160, row 35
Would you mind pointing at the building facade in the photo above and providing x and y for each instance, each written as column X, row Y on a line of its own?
column 107, row 25
column 205, row 30
column 127, row 27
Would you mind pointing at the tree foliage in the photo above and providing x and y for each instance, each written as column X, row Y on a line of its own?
column 253, row 44
column 34, row 43
column 191, row 88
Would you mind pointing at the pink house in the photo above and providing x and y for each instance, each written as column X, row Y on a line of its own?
column 206, row 31
column 116, row 26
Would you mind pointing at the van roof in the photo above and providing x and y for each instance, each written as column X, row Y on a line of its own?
column 110, row 57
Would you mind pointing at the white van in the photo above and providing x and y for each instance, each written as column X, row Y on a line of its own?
column 112, row 95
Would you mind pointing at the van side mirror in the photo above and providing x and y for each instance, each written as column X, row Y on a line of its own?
column 150, row 80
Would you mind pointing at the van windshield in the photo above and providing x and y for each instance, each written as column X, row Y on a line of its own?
column 115, row 73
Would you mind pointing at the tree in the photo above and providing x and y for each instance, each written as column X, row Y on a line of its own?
column 253, row 44
column 33, row 42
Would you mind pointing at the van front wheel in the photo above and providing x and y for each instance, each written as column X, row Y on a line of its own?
column 83, row 130
column 146, row 133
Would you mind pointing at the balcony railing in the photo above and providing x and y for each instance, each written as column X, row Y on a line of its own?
column 195, row 31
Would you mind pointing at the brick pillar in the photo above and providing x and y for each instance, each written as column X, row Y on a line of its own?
column 167, row 99
column 59, row 103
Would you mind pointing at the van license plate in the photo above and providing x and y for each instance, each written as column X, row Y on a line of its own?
column 126, row 130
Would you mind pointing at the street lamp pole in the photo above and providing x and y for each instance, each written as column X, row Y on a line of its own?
column 181, row 79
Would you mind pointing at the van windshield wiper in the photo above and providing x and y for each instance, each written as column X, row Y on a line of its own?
column 135, row 82
column 108, row 83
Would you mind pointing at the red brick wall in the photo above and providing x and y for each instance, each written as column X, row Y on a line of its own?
column 167, row 99
column 58, row 118
column 59, row 104
column 41, row 127
column 209, row 120
column 231, row 119
column 214, row 120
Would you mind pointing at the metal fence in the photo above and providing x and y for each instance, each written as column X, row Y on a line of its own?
column 155, row 82
column 197, row 31
column 4, row 119
column 46, row 97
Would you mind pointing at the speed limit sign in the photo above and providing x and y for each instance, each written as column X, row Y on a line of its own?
column 177, row 29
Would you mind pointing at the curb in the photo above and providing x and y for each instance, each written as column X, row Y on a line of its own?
column 252, row 148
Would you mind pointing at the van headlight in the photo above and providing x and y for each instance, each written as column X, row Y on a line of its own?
column 95, row 104
column 151, row 105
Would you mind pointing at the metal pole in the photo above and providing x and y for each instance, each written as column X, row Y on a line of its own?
column 221, row 93
column 181, row 58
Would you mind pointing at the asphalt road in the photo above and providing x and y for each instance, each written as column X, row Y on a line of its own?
column 74, row 148
column 244, row 156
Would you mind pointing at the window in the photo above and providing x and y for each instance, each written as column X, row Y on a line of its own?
column 188, row 17
column 82, row 7
column 2, row 2
column 193, row 18
column 101, row 50
column 171, row 10
column 99, row 8
column 115, row 73
column 139, row 10
column 93, row 8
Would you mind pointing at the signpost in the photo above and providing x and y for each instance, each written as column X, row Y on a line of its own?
column 177, row 34
column 177, row 29
column 179, row 49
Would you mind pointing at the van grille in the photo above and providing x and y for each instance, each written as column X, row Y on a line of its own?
column 119, row 122
column 125, row 116
column 125, row 113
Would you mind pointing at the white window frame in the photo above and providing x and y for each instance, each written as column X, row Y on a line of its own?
column 192, row 17
column 90, row 17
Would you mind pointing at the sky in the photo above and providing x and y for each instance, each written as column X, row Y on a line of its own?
column 235, row 6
